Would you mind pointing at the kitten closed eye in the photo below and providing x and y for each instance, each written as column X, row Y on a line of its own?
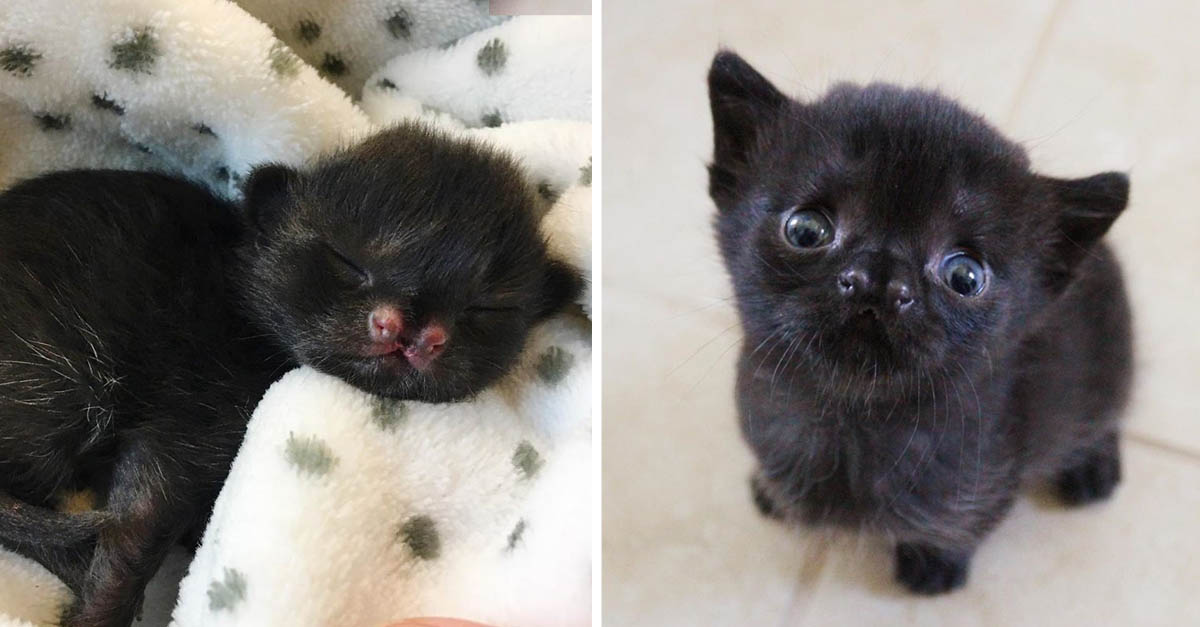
column 346, row 266
column 493, row 308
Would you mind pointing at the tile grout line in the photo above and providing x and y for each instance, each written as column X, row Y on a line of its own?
column 1039, row 51
column 1173, row 449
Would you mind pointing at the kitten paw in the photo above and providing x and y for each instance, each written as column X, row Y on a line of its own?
column 765, row 505
column 1092, row 480
column 926, row 570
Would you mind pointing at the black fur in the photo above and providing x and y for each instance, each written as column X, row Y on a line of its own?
column 123, row 369
column 442, row 230
column 143, row 319
column 873, row 395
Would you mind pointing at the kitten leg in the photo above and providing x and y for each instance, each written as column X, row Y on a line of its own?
column 762, row 500
column 1094, row 474
column 60, row 542
column 926, row 569
column 69, row 564
column 152, row 499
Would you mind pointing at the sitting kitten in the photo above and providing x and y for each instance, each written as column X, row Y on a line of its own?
column 928, row 323
column 143, row 321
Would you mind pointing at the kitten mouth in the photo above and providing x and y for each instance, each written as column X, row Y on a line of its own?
column 389, row 354
column 866, row 320
column 384, row 348
column 399, row 354
column 865, row 332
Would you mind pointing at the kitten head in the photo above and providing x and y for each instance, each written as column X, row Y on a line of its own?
column 410, row 265
column 887, row 231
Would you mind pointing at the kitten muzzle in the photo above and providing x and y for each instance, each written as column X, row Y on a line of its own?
column 390, row 335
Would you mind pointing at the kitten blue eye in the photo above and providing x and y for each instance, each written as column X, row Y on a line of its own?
column 806, row 228
column 963, row 274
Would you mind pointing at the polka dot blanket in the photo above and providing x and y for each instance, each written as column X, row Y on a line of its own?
column 341, row 509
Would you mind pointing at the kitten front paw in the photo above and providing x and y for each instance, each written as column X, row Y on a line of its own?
column 927, row 570
column 1092, row 480
column 762, row 501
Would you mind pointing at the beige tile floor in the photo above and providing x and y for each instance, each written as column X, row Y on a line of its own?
column 1087, row 86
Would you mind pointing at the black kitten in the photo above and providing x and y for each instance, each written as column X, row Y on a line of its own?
column 410, row 266
column 142, row 321
column 928, row 323
column 124, row 368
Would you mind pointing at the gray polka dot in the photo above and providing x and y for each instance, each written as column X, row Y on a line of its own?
column 142, row 148
column 492, row 57
column 585, row 173
column 554, row 364
column 222, row 174
column 203, row 129
column 526, row 459
column 283, row 62
column 227, row 593
column 399, row 23
column 105, row 103
column 308, row 31
column 385, row 84
column 421, row 535
column 136, row 52
column 333, row 65
column 309, row 455
column 388, row 413
column 515, row 537
column 52, row 122
column 19, row 59
column 492, row 119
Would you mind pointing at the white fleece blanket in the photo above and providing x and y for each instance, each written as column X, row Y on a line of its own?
column 341, row 509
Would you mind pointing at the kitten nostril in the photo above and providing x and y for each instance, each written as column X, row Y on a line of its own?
column 901, row 296
column 850, row 281
column 386, row 324
column 427, row 346
column 434, row 338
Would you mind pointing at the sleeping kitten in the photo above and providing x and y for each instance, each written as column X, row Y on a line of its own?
column 143, row 320
column 928, row 323
column 428, row 245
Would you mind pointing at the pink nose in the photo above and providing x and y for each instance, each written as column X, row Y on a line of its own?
column 386, row 325
column 429, row 343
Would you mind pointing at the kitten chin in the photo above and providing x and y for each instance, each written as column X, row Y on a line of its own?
column 410, row 265
column 928, row 323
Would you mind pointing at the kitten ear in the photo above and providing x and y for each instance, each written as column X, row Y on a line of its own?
column 268, row 192
column 742, row 102
column 562, row 285
column 1085, row 208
